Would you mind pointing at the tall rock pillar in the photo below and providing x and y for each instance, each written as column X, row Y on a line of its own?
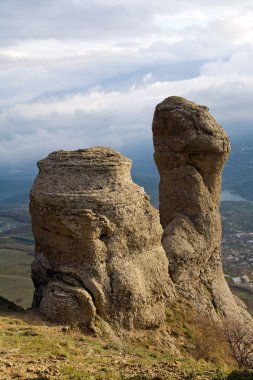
column 190, row 152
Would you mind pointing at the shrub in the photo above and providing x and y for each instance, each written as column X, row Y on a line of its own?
column 240, row 375
column 240, row 339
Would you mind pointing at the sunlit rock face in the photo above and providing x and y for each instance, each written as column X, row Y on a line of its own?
column 190, row 152
column 98, row 242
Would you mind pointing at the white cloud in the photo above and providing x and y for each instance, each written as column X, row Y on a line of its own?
column 75, row 73
column 147, row 77
column 119, row 118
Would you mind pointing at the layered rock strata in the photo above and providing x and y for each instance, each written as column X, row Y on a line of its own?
column 190, row 152
column 97, row 242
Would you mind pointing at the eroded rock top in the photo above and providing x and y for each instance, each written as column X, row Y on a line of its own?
column 187, row 126
column 95, row 156
column 84, row 170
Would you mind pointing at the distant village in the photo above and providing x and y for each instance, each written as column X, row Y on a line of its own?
column 237, row 257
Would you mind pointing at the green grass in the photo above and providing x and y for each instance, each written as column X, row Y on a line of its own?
column 35, row 349
column 15, row 262
column 245, row 296
column 15, row 276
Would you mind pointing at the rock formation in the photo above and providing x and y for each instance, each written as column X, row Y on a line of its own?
column 6, row 305
column 97, row 242
column 190, row 152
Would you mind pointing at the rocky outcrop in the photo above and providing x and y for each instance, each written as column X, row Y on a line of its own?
column 6, row 305
column 97, row 242
column 190, row 152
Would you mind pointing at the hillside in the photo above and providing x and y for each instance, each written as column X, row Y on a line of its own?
column 33, row 348
column 186, row 347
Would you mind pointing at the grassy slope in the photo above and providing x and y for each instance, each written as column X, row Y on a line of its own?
column 32, row 348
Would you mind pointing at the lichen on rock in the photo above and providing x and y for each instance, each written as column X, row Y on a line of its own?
column 97, row 242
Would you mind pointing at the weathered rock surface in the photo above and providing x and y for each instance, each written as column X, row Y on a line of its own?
column 98, row 242
column 190, row 152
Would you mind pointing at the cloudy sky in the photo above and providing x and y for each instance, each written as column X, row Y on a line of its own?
column 77, row 73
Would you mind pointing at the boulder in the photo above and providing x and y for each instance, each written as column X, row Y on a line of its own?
column 98, row 245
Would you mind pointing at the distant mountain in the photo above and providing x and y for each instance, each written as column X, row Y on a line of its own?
column 142, row 159
column 151, row 186
column 238, row 172
column 14, row 186
column 237, row 175
column 18, row 202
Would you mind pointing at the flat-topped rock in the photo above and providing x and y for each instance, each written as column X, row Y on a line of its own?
column 98, row 242
column 84, row 170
